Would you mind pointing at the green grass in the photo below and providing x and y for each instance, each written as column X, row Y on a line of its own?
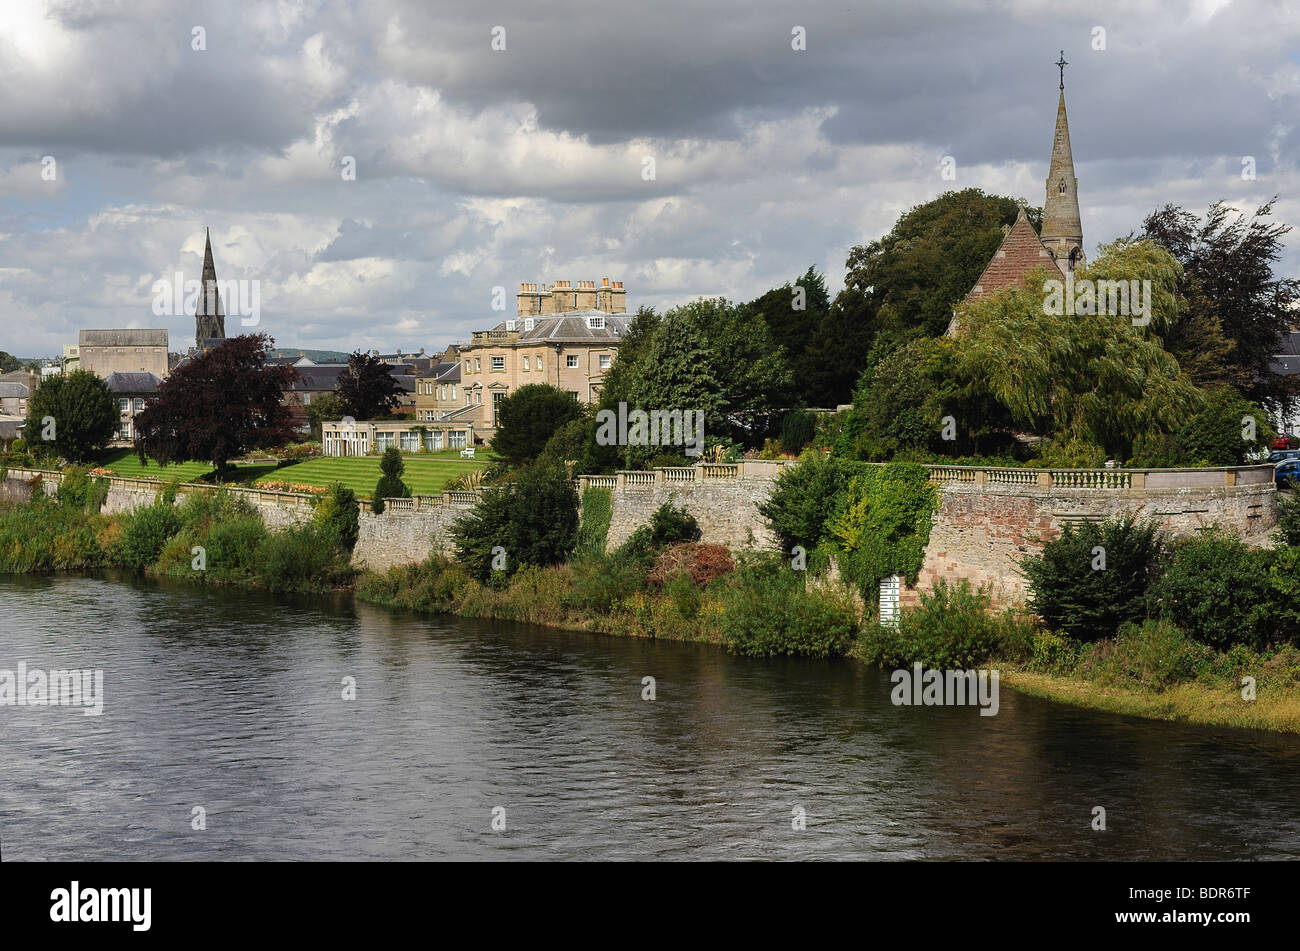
column 425, row 472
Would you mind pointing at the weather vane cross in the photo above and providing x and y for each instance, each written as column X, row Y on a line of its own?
column 1061, row 63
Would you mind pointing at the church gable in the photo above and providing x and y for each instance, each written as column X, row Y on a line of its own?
column 1019, row 253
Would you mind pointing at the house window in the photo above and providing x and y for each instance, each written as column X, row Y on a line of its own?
column 467, row 366
column 456, row 440
column 574, row 394
column 498, row 363
column 122, row 405
column 478, row 364
column 125, row 431
column 525, row 364
column 604, row 361
column 596, row 323
column 410, row 441
column 384, row 440
column 529, row 323
column 433, row 440
column 139, row 405
column 571, row 360
column 496, row 406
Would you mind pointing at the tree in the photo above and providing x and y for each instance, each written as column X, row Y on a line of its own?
column 911, row 279
column 390, row 484
column 338, row 516
column 78, row 413
column 528, row 418
column 795, row 315
column 532, row 520
column 1228, row 276
column 367, row 388
column 9, row 363
column 218, row 406
column 322, row 407
column 1093, row 378
column 1093, row 578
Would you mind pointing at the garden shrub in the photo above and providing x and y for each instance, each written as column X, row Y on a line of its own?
column 300, row 558
column 338, row 515
column 668, row 525
column 1075, row 596
column 79, row 491
column 534, row 518
column 390, row 484
column 797, row 430
column 1219, row 590
column 146, row 533
column 768, row 612
column 699, row 563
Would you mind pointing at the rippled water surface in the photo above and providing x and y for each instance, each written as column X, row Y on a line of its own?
column 232, row 702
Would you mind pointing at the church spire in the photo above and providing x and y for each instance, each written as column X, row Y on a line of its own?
column 1062, row 230
column 209, row 321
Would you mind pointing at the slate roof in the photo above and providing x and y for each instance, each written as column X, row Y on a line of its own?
column 571, row 328
column 321, row 377
column 133, row 383
column 443, row 373
column 14, row 391
column 1286, row 362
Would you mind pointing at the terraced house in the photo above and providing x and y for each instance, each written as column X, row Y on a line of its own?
column 565, row 335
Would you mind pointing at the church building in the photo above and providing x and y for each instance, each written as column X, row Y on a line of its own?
column 1061, row 241
column 209, row 321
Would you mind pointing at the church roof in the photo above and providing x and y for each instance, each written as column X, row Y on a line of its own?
column 1061, row 211
column 1019, row 253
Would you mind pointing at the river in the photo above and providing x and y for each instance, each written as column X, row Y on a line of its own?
column 232, row 703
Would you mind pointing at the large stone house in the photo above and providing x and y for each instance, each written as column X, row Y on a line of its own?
column 565, row 335
column 104, row 352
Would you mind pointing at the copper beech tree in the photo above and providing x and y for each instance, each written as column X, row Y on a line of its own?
column 218, row 406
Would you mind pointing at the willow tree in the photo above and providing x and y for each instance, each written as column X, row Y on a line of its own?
column 1100, row 379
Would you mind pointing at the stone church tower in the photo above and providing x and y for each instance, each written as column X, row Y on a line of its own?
column 1062, row 230
column 209, row 321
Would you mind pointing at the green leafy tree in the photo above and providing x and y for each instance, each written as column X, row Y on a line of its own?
column 368, row 389
column 1099, row 378
column 390, row 484
column 1095, row 577
column 911, row 279
column 9, row 363
column 79, row 411
column 528, row 418
column 1228, row 261
column 218, row 406
column 530, row 520
column 338, row 515
column 1219, row 590
column 324, row 406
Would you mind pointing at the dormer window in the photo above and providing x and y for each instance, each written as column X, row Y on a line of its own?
column 511, row 324
column 529, row 323
column 596, row 322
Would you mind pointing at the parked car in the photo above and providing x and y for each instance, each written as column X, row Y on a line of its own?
column 1286, row 474
column 1281, row 455
column 1282, row 441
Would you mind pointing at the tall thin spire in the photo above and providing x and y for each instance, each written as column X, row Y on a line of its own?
column 209, row 321
column 1062, row 228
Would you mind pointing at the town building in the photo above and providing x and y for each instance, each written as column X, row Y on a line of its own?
column 104, row 352
column 359, row 438
column 131, row 391
column 566, row 336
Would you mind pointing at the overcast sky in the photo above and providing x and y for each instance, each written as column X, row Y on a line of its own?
column 478, row 168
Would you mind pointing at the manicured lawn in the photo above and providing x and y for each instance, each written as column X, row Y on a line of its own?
column 425, row 472
column 126, row 464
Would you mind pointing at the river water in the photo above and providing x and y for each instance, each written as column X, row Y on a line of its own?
column 232, row 703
